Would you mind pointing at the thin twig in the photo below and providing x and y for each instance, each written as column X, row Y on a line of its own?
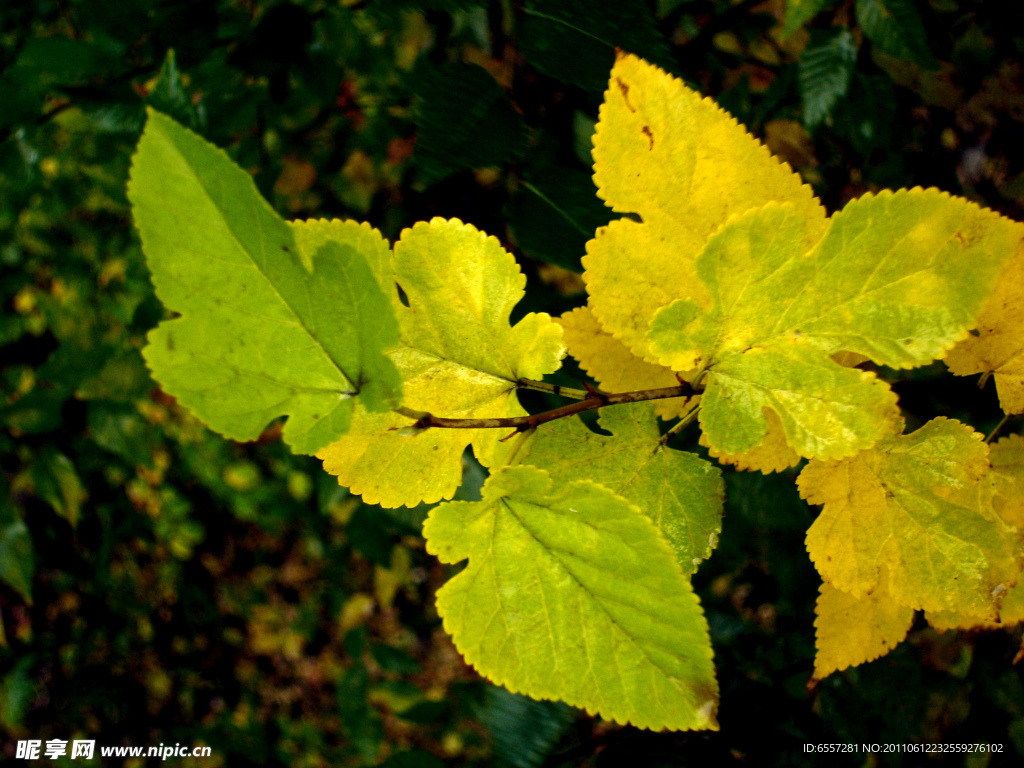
column 522, row 423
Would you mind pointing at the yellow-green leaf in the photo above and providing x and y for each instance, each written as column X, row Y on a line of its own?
column 908, row 516
column 571, row 593
column 458, row 357
column 684, row 165
column 264, row 331
column 680, row 492
column 899, row 277
column 852, row 630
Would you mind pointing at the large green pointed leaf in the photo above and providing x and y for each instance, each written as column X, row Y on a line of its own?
column 681, row 492
column 266, row 330
column 572, row 594
column 897, row 277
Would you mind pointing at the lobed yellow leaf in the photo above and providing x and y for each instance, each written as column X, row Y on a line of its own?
column 1003, row 489
column 853, row 630
column 458, row 357
column 684, row 166
column 615, row 368
column 999, row 346
column 898, row 277
column 910, row 516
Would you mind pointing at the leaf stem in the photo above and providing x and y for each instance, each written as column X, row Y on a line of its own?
column 593, row 400
column 553, row 389
column 683, row 423
column 999, row 426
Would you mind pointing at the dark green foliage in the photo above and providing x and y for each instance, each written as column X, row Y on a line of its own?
column 554, row 213
column 826, row 67
column 896, row 28
column 523, row 731
column 465, row 120
column 568, row 40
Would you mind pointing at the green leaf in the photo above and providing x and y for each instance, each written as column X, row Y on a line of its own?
column 17, row 691
column 897, row 277
column 799, row 12
column 266, row 330
column 554, row 213
column 57, row 483
column 573, row 594
column 896, row 28
column 465, row 120
column 17, row 558
column 169, row 95
column 680, row 492
column 824, row 72
column 523, row 731
column 575, row 40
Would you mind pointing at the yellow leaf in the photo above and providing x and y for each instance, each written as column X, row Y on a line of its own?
column 1011, row 612
column 852, row 630
column 1003, row 489
column 684, row 165
column 999, row 346
column 773, row 455
column 459, row 358
column 908, row 516
column 615, row 368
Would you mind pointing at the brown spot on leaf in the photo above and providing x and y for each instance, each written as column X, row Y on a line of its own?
column 650, row 137
column 625, row 93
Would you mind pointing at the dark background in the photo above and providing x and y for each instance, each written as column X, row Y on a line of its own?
column 159, row 584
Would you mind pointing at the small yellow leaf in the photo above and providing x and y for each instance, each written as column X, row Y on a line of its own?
column 909, row 516
column 999, row 346
column 853, row 630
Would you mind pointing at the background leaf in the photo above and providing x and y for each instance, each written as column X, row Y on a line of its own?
column 573, row 41
column 896, row 28
column 824, row 73
column 465, row 120
column 524, row 731
column 799, row 12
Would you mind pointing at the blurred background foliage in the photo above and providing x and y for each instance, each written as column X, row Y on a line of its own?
column 159, row 584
